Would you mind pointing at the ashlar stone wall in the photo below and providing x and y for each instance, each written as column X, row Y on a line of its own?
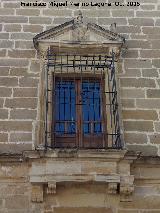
column 139, row 73
column 138, row 68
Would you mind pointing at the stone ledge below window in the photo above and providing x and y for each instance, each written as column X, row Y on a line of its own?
column 110, row 167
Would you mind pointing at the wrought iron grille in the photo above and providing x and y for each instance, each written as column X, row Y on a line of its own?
column 81, row 102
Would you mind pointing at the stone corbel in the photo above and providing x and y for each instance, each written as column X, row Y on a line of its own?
column 126, row 188
column 51, row 188
column 112, row 188
column 37, row 193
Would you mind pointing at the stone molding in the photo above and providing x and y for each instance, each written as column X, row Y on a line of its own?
column 52, row 168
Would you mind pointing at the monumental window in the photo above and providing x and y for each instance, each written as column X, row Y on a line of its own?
column 81, row 101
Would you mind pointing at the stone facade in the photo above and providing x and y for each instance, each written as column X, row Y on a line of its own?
column 139, row 79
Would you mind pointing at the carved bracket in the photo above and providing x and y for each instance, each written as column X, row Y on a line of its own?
column 112, row 188
column 51, row 188
column 37, row 193
column 126, row 188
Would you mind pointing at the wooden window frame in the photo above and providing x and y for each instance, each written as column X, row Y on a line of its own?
column 81, row 142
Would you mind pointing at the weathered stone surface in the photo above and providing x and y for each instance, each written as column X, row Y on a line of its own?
column 146, row 150
column 23, row 114
column 140, row 114
column 135, row 138
column 82, row 210
column 134, row 82
column 17, row 202
column 155, row 138
column 138, row 126
column 25, row 92
column 21, row 103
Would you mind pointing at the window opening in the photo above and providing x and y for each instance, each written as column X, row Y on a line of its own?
column 81, row 102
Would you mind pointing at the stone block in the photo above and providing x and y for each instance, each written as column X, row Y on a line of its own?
column 61, row 167
column 22, row 36
column 99, row 167
column 6, row 11
column 138, row 126
column 16, row 126
column 54, row 12
column 23, row 114
column 35, row 66
column 20, row 137
column 33, row 28
column 132, row 93
column 4, row 35
column 40, row 20
column 82, row 210
column 128, row 29
column 157, row 23
column 146, row 150
column 132, row 73
column 1, row 102
column 17, row 202
column 15, row 148
column 3, row 137
column 18, row 71
column 137, row 63
column 127, row 211
column 135, row 138
column 8, row 81
column 25, row 92
column 13, row 19
column 148, row 13
column 140, row 44
column 128, row 103
column 155, row 44
column 148, row 7
column 151, row 30
column 28, row 82
column 28, row 12
column 6, row 44
column 155, row 138
column 140, row 114
column 2, row 53
column 24, row 44
column 150, row 73
column 11, row 4
column 4, row 113
column 137, row 82
column 12, row 27
column 148, row 103
column 21, row 103
column 109, row 21
column 123, row 13
column 156, row 63
column 130, row 54
column 4, row 71
column 141, row 21
column 5, row 92
column 14, row 62
column 153, row 93
column 96, row 13
column 21, row 53
column 157, row 126
column 150, row 53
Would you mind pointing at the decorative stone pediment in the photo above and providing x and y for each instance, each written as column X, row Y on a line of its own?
column 76, row 34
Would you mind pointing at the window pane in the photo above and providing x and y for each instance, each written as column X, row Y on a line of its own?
column 65, row 107
column 91, row 108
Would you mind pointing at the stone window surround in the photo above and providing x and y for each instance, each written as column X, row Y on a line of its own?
column 68, row 165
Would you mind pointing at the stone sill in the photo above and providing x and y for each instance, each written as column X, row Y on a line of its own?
column 109, row 154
